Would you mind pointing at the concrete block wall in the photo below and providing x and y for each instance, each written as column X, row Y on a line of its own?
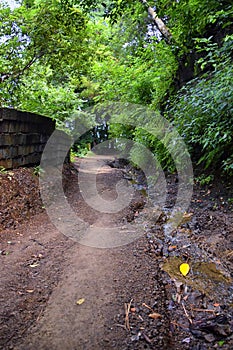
column 57, row 150
column 23, row 137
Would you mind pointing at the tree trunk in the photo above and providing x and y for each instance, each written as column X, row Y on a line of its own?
column 159, row 23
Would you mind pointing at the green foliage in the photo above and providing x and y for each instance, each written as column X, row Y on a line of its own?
column 39, row 94
column 42, row 33
column 121, row 131
column 204, row 180
column 213, row 54
column 2, row 170
column 58, row 57
column 119, row 64
column 156, row 146
column 80, row 151
column 82, row 145
column 189, row 19
column 203, row 113
column 38, row 171
column 221, row 342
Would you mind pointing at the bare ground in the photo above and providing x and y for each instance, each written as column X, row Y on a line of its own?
column 44, row 273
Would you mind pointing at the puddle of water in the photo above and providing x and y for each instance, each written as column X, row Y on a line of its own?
column 209, row 270
column 203, row 276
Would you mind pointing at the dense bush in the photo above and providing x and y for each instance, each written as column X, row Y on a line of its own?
column 202, row 111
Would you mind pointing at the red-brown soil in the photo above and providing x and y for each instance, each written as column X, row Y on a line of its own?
column 44, row 273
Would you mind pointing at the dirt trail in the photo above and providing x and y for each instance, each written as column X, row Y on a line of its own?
column 105, row 278
column 99, row 277
column 44, row 272
column 65, row 325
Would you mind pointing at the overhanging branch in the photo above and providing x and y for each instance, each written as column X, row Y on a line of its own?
column 5, row 76
column 158, row 21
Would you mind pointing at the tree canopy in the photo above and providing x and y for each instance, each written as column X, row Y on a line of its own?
column 58, row 57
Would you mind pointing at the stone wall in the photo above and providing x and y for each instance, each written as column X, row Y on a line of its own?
column 23, row 137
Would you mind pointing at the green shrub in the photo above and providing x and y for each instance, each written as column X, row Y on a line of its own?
column 203, row 113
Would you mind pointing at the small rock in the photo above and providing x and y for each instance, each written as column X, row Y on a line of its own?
column 186, row 340
column 209, row 337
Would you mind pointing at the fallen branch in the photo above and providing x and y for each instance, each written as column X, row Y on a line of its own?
column 127, row 310
column 5, row 76
column 158, row 21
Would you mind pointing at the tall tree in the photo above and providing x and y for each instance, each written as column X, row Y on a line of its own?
column 41, row 31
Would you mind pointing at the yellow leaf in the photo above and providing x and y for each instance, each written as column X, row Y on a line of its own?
column 80, row 301
column 184, row 269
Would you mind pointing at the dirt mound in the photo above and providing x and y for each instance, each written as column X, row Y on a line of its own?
column 19, row 197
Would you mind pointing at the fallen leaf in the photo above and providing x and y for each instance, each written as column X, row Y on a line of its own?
column 184, row 269
column 34, row 265
column 80, row 301
column 155, row 315
column 133, row 309
column 221, row 342
column 171, row 248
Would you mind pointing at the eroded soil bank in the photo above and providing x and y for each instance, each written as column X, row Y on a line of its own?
column 132, row 296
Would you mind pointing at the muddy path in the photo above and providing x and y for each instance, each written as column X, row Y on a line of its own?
column 56, row 293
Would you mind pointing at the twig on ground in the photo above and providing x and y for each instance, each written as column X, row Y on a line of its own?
column 178, row 324
column 127, row 310
column 40, row 313
column 140, row 317
column 147, row 306
column 120, row 325
column 147, row 339
column 186, row 314
column 204, row 310
column 229, row 254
